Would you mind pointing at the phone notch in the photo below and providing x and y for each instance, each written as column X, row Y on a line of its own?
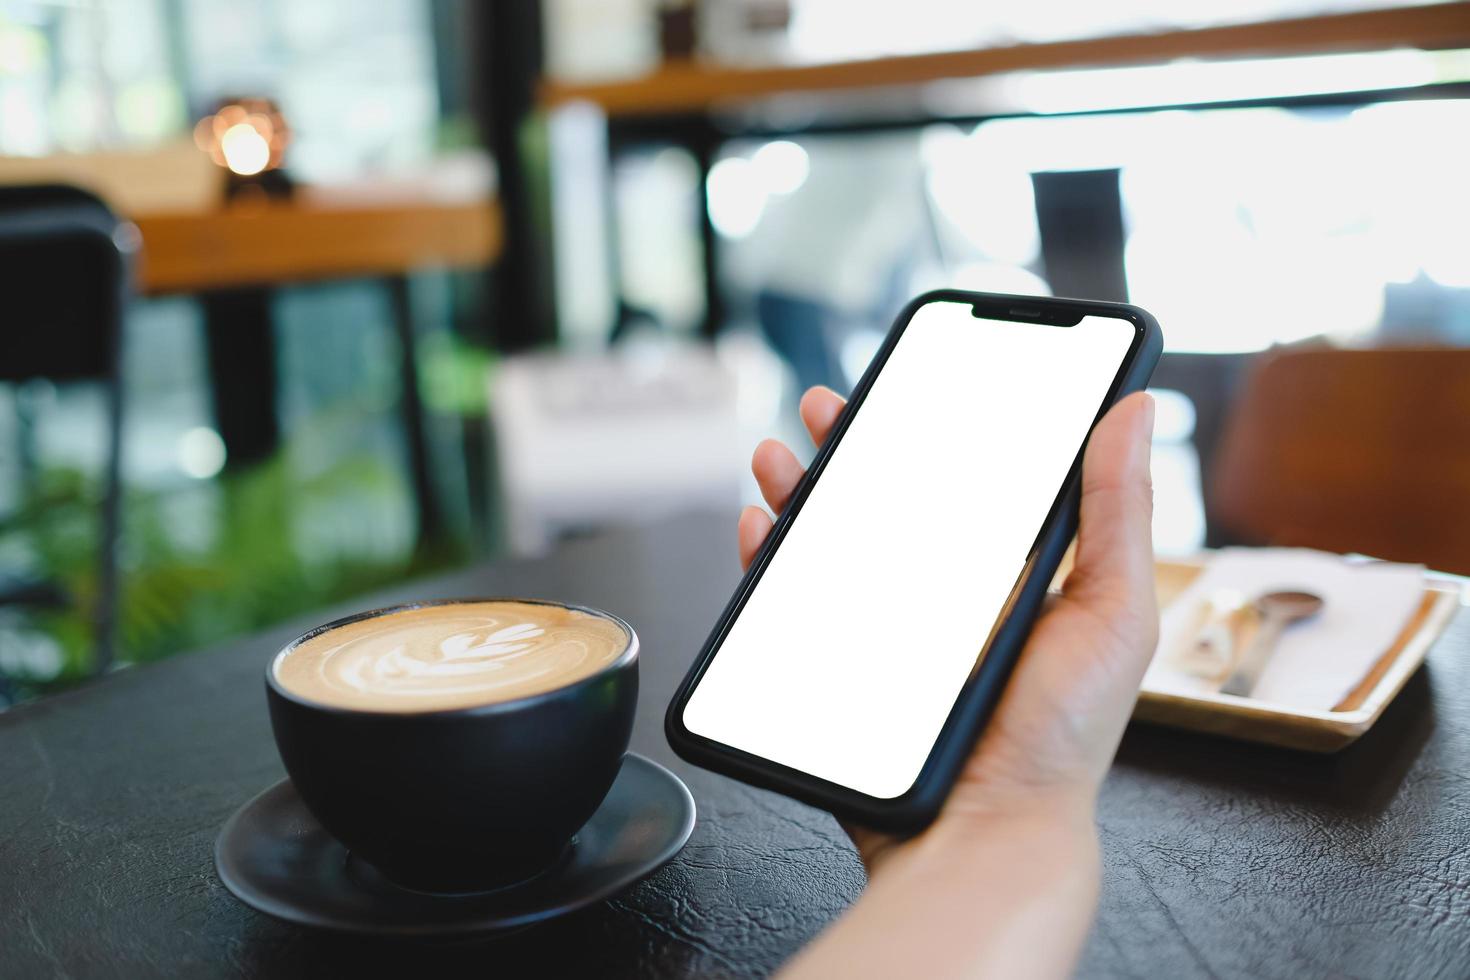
column 1026, row 314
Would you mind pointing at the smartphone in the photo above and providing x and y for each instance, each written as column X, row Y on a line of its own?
column 873, row 633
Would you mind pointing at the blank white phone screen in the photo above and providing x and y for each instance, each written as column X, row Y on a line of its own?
column 851, row 649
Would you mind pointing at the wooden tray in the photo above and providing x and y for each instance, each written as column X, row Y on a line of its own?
column 1313, row 731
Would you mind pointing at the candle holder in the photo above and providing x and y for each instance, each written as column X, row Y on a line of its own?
column 247, row 138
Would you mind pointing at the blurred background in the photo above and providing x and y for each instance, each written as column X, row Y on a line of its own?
column 299, row 299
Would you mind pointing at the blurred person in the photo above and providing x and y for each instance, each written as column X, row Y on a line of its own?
column 1005, row 882
column 839, row 250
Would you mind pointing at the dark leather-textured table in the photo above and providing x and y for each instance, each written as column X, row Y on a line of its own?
column 1221, row 859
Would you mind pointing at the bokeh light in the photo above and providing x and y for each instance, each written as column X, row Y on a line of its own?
column 201, row 453
column 245, row 150
column 782, row 166
column 736, row 197
column 247, row 137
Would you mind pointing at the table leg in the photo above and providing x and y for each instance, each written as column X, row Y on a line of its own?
column 703, row 141
column 430, row 518
column 242, row 373
column 705, row 149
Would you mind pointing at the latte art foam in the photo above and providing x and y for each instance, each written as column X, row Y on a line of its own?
column 450, row 656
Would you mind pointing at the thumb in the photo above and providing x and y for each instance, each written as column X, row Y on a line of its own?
column 1114, row 571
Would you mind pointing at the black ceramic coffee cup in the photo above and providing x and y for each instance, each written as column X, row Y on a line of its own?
column 463, row 799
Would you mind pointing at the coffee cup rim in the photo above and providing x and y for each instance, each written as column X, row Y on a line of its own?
column 629, row 654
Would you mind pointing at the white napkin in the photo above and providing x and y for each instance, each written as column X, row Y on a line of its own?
column 1318, row 661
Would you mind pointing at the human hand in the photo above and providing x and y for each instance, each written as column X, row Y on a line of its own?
column 1043, row 755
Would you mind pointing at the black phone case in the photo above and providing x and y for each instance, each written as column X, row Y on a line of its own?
column 920, row 804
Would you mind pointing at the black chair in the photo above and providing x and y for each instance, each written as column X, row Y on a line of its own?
column 65, row 262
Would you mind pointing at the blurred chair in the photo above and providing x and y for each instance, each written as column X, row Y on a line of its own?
column 643, row 431
column 1351, row 451
column 65, row 261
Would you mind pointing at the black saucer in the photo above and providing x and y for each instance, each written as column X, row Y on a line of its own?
column 275, row 857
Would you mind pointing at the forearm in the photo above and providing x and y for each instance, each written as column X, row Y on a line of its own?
column 1013, row 898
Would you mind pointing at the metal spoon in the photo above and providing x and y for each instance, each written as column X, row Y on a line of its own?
column 1278, row 610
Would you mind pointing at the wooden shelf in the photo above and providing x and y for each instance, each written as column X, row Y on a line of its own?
column 695, row 88
column 311, row 239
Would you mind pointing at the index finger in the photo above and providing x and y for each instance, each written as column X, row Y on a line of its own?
column 820, row 407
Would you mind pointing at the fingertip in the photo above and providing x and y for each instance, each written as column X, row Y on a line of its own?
column 1121, row 442
column 768, row 454
column 1115, row 537
column 1144, row 405
column 1144, row 440
column 819, row 409
column 751, row 531
column 819, row 396
column 777, row 472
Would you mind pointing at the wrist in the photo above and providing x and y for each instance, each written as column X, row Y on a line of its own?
column 1060, row 816
column 1051, row 839
column 1045, row 851
column 1010, row 894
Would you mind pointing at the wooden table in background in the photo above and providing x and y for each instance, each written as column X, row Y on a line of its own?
column 309, row 239
column 232, row 256
column 685, row 88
